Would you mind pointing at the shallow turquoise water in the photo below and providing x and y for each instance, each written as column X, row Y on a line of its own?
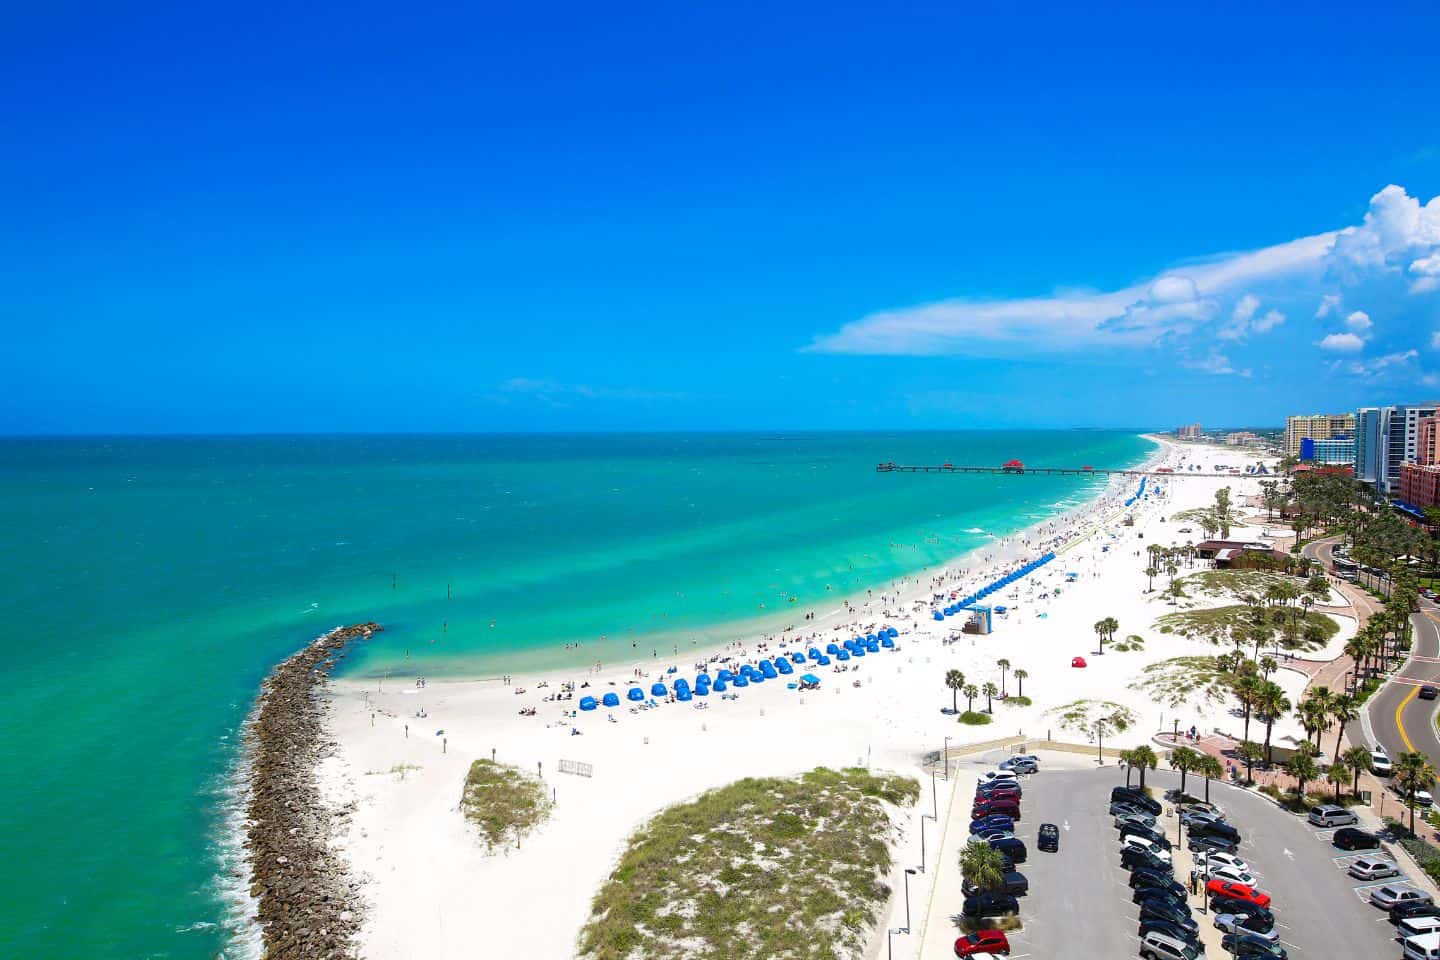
column 148, row 584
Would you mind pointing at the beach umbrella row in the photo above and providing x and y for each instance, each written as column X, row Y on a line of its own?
column 998, row 584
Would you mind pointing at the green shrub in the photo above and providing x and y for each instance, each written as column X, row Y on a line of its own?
column 974, row 718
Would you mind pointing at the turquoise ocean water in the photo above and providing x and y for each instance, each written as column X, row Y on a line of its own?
column 147, row 585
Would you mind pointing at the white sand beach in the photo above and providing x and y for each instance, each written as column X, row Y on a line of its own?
column 433, row 892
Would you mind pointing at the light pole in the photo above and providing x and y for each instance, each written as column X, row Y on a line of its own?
column 934, row 797
column 947, row 759
column 909, row 871
column 923, row 818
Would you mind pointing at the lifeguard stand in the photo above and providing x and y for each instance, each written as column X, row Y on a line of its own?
column 979, row 621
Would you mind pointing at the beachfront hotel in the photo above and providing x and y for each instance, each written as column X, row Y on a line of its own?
column 1387, row 438
column 1316, row 426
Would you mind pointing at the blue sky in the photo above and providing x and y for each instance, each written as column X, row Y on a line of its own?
column 362, row 217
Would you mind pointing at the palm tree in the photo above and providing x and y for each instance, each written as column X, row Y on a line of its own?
column 1105, row 630
column 1343, row 709
column 981, row 864
column 1125, row 758
column 1004, row 665
column 1413, row 772
column 954, row 679
column 1250, row 752
column 1358, row 759
column 1339, row 775
column 1247, row 688
column 1021, row 675
column 1184, row 759
column 1303, row 769
column 1144, row 758
column 1210, row 768
column 971, row 692
column 1268, row 666
column 1271, row 704
column 989, row 690
column 1150, row 573
column 1323, row 700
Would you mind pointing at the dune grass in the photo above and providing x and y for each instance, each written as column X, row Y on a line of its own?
column 1081, row 716
column 975, row 718
column 503, row 803
column 1182, row 680
column 791, row 868
column 1220, row 624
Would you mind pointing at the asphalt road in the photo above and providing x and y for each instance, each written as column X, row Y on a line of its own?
column 1079, row 904
column 1400, row 720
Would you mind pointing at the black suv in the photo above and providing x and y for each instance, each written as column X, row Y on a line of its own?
column 1409, row 911
column 1012, row 882
column 989, row 905
column 1167, row 894
column 1012, row 847
column 1133, row 858
column 1349, row 838
column 1176, row 913
column 1208, row 842
column 1183, row 934
column 1049, row 838
column 1162, row 884
column 1216, row 828
column 1138, row 797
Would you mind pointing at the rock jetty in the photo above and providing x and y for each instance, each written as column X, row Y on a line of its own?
column 309, row 907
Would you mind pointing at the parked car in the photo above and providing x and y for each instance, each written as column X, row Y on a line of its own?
column 1380, row 764
column 1256, row 926
column 1154, row 880
column 1229, row 890
column 1244, row 946
column 983, row 941
column 1145, row 833
column 1219, row 858
column 1262, row 917
column 1012, row 847
column 1205, row 843
column 1353, row 838
column 1332, row 815
column 993, row 776
column 1049, row 839
column 1134, row 815
column 1011, row 882
column 1135, row 857
column 1185, row 803
column 1028, row 757
column 1166, row 894
column 1144, row 843
column 1004, row 806
column 992, row 834
column 1393, row 895
column 1136, row 797
column 1121, row 808
column 1192, row 817
column 1157, row 945
column 1373, row 868
column 989, row 905
column 993, row 822
column 1408, row 911
column 1152, row 925
column 1233, row 874
column 1020, row 765
column 1169, row 911
column 1221, row 830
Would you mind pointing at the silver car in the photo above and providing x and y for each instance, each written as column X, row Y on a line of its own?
column 1393, row 895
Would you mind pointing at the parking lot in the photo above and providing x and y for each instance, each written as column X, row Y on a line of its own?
column 1080, row 903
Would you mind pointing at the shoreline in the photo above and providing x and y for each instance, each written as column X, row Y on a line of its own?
column 306, row 904
column 1001, row 552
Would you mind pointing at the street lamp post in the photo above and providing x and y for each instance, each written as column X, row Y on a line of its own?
column 934, row 797
column 923, row 818
column 947, row 759
column 909, row 871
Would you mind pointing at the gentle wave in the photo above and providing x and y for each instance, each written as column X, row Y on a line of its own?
column 240, row 912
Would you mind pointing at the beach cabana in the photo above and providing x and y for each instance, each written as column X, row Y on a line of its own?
column 842, row 655
column 892, row 631
column 858, row 651
column 682, row 684
column 888, row 643
column 758, row 678
column 810, row 678
column 611, row 700
column 798, row 657
column 740, row 681
column 702, row 691
column 588, row 703
column 869, row 638
column 832, row 648
column 823, row 662
column 636, row 694
column 682, row 695
column 658, row 690
column 874, row 647
column 784, row 666
column 726, row 674
column 937, row 614
column 767, row 670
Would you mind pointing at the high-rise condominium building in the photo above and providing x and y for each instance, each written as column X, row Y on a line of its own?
column 1317, row 426
column 1386, row 438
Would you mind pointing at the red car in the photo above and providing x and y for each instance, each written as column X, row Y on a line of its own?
column 983, row 941
column 1237, row 891
column 1077, row 661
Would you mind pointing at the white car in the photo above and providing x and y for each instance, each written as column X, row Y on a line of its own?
column 1380, row 764
column 1233, row 875
column 995, row 776
column 1210, row 859
column 1230, row 923
column 1143, row 844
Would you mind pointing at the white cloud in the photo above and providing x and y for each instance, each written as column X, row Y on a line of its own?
column 1398, row 235
column 555, row 394
column 1271, row 320
column 1342, row 343
column 1215, row 362
column 1379, row 364
column 1359, row 321
column 1435, row 340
